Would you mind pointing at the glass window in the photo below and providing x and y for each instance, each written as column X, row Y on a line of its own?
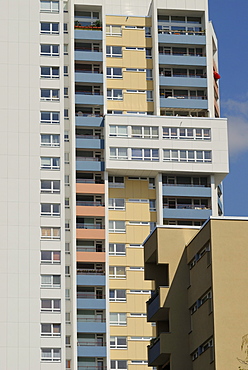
column 49, row 6
column 49, row 28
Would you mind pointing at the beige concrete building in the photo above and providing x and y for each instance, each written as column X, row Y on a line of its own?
column 200, row 277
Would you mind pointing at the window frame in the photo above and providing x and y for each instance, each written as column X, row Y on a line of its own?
column 52, row 284
column 50, row 53
column 115, row 344
column 115, row 252
column 50, row 190
column 52, row 358
column 53, row 235
column 51, row 6
column 53, row 72
column 54, row 118
column 114, row 206
column 114, row 229
column 115, row 274
column 52, row 260
column 110, row 31
column 54, row 140
column 115, row 297
column 54, row 163
column 52, row 332
column 51, row 31
column 52, row 309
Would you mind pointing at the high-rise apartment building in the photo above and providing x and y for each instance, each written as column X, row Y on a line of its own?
column 200, row 280
column 110, row 125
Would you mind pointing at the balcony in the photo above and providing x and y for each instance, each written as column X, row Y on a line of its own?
column 86, row 367
column 89, row 186
column 92, row 301
column 183, row 59
column 187, row 212
column 182, row 81
column 88, row 55
column 186, row 190
column 90, row 325
column 90, row 231
column 159, row 350
column 91, row 349
column 88, row 33
column 183, row 102
column 89, row 142
column 86, row 97
column 89, row 164
column 156, row 309
column 90, row 211
column 89, row 77
column 89, row 120
column 181, row 37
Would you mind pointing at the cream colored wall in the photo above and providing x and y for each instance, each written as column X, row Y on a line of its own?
column 135, row 303
column 230, row 289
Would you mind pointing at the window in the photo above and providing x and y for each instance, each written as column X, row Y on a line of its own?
column 50, row 330
column 67, row 294
column 49, row 94
column 51, row 118
column 114, row 72
column 66, row 114
column 67, row 248
column 67, row 202
column 145, row 132
column 68, row 341
column 139, row 362
column 140, row 291
column 117, row 227
column 186, row 133
column 50, row 354
column 117, row 249
column 48, row 209
column 134, row 49
column 67, row 270
column 49, row 6
column 140, row 339
column 50, row 305
column 65, row 27
column 49, row 72
column 66, row 92
column 117, row 295
column 50, row 186
column 50, row 233
column 138, row 223
column 50, row 163
column 118, row 131
column 133, row 200
column 66, row 158
column 148, row 32
column 50, row 257
column 145, row 154
column 136, row 268
column 138, row 314
column 151, row 184
column 135, row 70
column 113, row 30
column 118, row 365
column 148, row 53
column 116, row 182
column 117, row 272
column 118, row 342
column 135, row 27
column 49, row 28
column 50, row 281
column 65, row 49
column 116, row 204
column 66, row 73
column 114, row 51
column 118, row 153
column 187, row 155
column 50, row 140
column 114, row 112
column 114, row 94
column 49, row 50
column 117, row 318
column 152, row 205
column 66, row 136
column 149, row 95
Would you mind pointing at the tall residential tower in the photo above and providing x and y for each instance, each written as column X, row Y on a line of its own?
column 110, row 125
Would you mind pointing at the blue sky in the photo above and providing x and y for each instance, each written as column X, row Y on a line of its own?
column 230, row 23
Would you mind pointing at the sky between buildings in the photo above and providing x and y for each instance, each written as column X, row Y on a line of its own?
column 229, row 18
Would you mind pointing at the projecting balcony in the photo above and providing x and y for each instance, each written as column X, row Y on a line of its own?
column 91, row 209
column 91, row 325
column 183, row 102
column 91, row 300
column 90, row 231
column 87, row 97
column 181, row 37
column 88, row 55
column 91, row 349
column 186, row 190
column 182, row 59
column 156, row 309
column 182, row 81
column 88, row 120
column 159, row 350
column 187, row 212
column 90, row 278
column 89, row 164
column 84, row 76
column 88, row 33
column 89, row 142
column 96, row 367
column 89, row 186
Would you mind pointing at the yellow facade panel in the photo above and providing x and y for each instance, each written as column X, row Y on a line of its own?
column 137, row 234
column 153, row 216
column 137, row 302
column 135, row 327
column 135, row 101
column 128, row 21
column 135, row 281
column 134, row 59
column 115, row 62
column 149, row 85
column 115, row 105
column 133, row 212
column 149, row 64
column 134, row 189
column 131, row 259
column 130, row 81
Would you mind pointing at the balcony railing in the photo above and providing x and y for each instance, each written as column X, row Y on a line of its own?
column 94, row 159
column 82, row 70
column 90, row 319
column 183, row 97
column 81, row 114
column 90, row 272
column 189, row 185
column 87, row 295
column 89, row 93
column 181, row 32
column 89, row 181
column 90, row 204
column 90, row 249
column 80, row 48
column 164, row 74
column 90, row 226
column 88, row 136
column 96, row 367
column 97, row 343
column 178, row 53
column 153, row 341
column 186, row 206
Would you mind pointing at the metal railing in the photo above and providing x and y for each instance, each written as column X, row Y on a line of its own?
column 186, row 206
column 89, row 93
column 89, row 137
column 183, row 97
column 97, row 343
column 81, row 114
column 163, row 74
column 96, row 367
column 94, row 159
column 90, row 319
column 90, row 249
column 90, row 272
column 89, row 181
column 87, row 295
column 189, row 185
column 80, row 48
column 179, row 53
column 90, row 226
column 82, row 70
column 181, row 32
column 89, row 203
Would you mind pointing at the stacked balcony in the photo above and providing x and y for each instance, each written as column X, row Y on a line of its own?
column 182, row 64
column 90, row 204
